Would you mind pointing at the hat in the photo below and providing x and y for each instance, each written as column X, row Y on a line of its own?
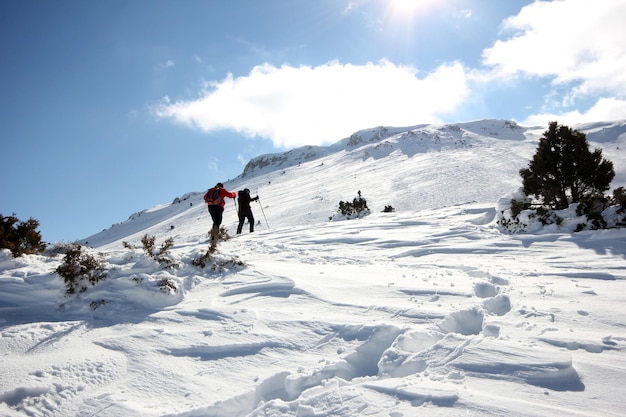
column 247, row 190
column 219, row 184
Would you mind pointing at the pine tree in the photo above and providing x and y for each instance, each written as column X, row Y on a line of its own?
column 20, row 237
column 564, row 170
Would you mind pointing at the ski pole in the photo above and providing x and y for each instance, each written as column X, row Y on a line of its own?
column 236, row 208
column 259, row 201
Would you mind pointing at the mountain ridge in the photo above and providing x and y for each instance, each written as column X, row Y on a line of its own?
column 368, row 136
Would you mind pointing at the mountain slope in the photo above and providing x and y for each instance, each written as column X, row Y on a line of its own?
column 410, row 169
column 414, row 168
column 429, row 310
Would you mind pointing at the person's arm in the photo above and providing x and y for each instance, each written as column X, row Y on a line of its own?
column 225, row 193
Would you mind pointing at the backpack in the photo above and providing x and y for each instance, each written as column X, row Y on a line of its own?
column 212, row 197
column 243, row 197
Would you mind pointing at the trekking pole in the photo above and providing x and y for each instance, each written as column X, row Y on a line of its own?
column 236, row 208
column 268, row 225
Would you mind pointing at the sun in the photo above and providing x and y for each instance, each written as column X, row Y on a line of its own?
column 409, row 7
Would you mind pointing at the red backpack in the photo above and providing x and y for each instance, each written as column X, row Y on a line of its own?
column 212, row 197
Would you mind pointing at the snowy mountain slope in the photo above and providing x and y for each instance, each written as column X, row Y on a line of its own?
column 410, row 169
column 429, row 310
column 414, row 168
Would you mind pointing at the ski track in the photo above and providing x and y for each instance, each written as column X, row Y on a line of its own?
column 460, row 346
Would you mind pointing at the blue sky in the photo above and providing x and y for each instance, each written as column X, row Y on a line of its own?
column 111, row 107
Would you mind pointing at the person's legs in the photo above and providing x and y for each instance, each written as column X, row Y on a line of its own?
column 216, row 214
column 242, row 218
column 251, row 220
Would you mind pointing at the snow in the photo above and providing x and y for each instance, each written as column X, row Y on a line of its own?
column 428, row 310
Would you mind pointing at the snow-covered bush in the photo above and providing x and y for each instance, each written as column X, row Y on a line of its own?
column 80, row 269
column 206, row 258
column 223, row 234
column 211, row 259
column 619, row 197
column 161, row 255
column 216, row 263
column 516, row 214
column 352, row 210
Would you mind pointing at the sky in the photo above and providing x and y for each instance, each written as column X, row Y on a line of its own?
column 171, row 97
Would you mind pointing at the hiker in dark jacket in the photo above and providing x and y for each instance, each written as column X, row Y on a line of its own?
column 245, row 212
column 216, row 206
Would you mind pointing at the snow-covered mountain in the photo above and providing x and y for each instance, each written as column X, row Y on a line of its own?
column 411, row 168
column 428, row 310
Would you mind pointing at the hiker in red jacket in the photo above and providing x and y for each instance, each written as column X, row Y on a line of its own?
column 215, row 201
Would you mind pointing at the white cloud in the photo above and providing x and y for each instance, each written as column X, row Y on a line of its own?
column 577, row 43
column 212, row 164
column 295, row 106
column 605, row 109
column 165, row 65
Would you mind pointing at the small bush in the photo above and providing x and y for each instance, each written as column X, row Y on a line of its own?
column 59, row 248
column 619, row 198
column 97, row 304
column 216, row 264
column 517, row 207
column 166, row 285
column 162, row 255
column 222, row 234
column 204, row 259
column 356, row 208
column 20, row 237
column 148, row 244
column 79, row 270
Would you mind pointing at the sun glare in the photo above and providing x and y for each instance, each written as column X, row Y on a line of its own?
column 409, row 7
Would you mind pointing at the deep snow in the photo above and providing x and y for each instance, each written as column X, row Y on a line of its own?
column 430, row 310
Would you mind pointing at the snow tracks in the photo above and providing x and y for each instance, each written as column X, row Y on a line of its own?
column 438, row 310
